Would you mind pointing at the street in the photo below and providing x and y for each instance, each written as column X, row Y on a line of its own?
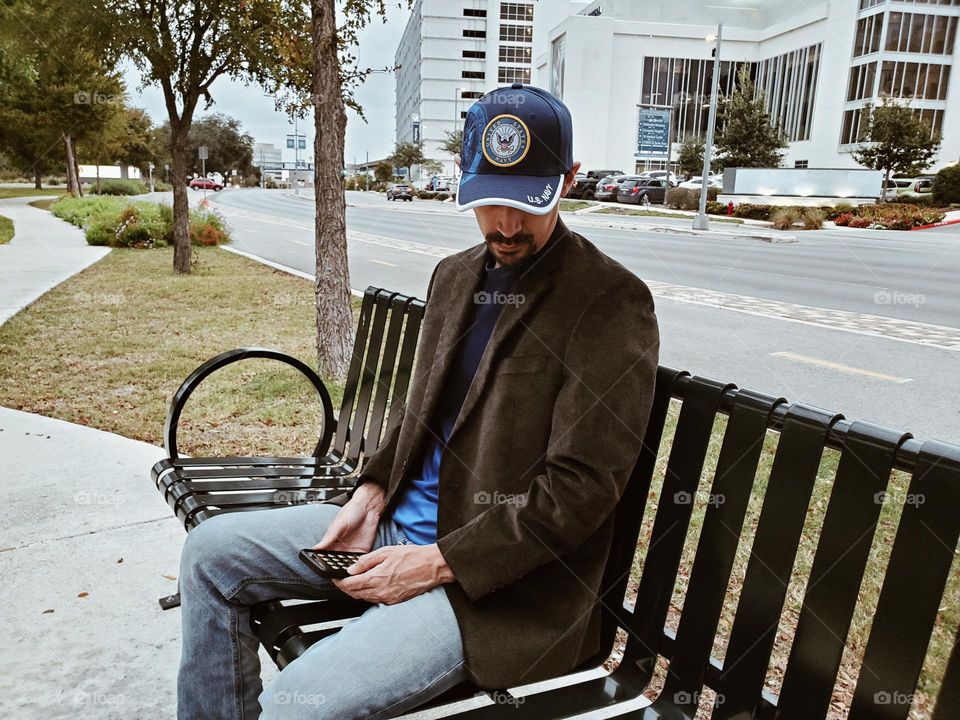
column 866, row 322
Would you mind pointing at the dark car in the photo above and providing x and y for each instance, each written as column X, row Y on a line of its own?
column 642, row 191
column 585, row 188
column 205, row 184
column 400, row 192
column 608, row 187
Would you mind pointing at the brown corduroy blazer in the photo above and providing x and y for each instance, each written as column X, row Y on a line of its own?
column 548, row 434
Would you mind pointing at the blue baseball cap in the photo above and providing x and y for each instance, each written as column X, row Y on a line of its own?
column 517, row 146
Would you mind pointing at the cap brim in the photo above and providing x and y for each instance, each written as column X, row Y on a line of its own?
column 531, row 193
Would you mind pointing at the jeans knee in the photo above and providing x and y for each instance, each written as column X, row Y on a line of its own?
column 286, row 698
column 205, row 547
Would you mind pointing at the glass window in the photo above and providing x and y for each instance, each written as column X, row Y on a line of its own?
column 513, row 75
column 516, row 33
column 477, row 54
column 474, row 33
column 893, row 30
column 516, row 11
column 916, row 33
column 472, row 74
column 472, row 12
column 515, row 54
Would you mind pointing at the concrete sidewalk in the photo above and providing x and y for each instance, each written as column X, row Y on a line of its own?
column 44, row 252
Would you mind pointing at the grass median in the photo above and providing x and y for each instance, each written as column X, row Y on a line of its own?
column 15, row 192
column 110, row 346
column 6, row 229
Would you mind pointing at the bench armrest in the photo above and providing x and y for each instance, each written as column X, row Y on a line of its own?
column 228, row 358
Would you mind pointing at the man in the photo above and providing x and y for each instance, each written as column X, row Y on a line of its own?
column 487, row 512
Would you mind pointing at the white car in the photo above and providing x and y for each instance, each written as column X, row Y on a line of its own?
column 694, row 183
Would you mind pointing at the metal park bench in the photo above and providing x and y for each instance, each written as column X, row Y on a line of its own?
column 668, row 488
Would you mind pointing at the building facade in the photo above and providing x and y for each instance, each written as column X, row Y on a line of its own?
column 453, row 51
column 819, row 64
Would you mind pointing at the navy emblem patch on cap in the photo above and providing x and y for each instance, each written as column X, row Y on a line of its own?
column 506, row 141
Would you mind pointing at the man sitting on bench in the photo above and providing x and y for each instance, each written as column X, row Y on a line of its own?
column 534, row 379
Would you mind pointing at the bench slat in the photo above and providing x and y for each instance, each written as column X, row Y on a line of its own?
column 353, row 373
column 913, row 585
column 662, row 560
column 772, row 558
column 843, row 550
column 737, row 465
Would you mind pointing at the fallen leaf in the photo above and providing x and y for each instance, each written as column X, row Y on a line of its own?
column 170, row 577
column 47, row 612
column 120, row 560
column 83, row 594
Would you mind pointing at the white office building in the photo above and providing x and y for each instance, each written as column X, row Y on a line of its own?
column 453, row 51
column 819, row 64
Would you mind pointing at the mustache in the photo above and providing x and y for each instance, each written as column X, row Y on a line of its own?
column 518, row 239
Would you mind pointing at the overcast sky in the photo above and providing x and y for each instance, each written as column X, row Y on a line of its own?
column 377, row 47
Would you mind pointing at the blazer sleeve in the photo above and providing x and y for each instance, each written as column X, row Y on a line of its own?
column 598, row 424
column 377, row 467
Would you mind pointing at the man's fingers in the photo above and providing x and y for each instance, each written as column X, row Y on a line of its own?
column 368, row 561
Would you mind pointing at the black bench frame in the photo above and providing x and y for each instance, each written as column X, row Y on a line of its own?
column 906, row 610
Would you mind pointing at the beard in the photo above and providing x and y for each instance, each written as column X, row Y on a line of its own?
column 512, row 250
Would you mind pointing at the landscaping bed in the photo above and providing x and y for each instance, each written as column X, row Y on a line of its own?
column 6, row 229
column 117, row 222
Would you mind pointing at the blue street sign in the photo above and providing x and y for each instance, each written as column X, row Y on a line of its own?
column 653, row 131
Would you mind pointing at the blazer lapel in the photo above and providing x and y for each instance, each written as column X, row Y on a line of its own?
column 533, row 284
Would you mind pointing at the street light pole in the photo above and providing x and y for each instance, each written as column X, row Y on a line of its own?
column 296, row 155
column 456, row 120
column 700, row 222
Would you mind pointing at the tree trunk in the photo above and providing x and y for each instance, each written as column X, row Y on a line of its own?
column 332, row 288
column 37, row 177
column 73, row 182
column 886, row 184
column 181, row 206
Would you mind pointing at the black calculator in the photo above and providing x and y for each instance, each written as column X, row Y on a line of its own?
column 330, row 563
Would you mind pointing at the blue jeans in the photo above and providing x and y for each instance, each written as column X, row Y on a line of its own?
column 386, row 662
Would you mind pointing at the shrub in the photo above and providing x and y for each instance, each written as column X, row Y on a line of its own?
column 427, row 195
column 859, row 222
column 784, row 218
column 752, row 212
column 683, row 199
column 924, row 200
column 120, row 187
column 716, row 208
column 946, row 186
column 843, row 219
column 207, row 228
column 102, row 232
column 813, row 218
column 442, row 196
column 896, row 216
column 839, row 209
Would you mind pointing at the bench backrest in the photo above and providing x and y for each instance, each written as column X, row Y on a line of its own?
column 708, row 512
column 379, row 375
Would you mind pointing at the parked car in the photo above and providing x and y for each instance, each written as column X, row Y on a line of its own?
column 205, row 184
column 400, row 192
column 694, row 183
column 585, row 187
column 642, row 191
column 661, row 175
column 606, row 190
column 895, row 188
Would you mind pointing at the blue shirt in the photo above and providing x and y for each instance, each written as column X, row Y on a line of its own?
column 416, row 510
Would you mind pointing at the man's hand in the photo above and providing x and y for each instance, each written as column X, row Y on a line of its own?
column 355, row 526
column 394, row 573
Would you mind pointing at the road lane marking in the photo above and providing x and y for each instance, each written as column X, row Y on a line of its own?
column 841, row 367
column 908, row 331
column 381, row 262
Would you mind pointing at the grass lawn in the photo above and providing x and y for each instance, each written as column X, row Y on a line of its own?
column 6, row 229
column 573, row 205
column 14, row 192
column 657, row 213
column 109, row 347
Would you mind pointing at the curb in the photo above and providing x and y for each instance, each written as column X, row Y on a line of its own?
column 669, row 229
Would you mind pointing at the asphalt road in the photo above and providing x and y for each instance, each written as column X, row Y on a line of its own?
column 862, row 322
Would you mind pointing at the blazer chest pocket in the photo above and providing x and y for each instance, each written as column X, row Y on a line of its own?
column 518, row 364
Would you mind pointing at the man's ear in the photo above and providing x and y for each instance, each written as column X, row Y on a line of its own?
column 569, row 178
